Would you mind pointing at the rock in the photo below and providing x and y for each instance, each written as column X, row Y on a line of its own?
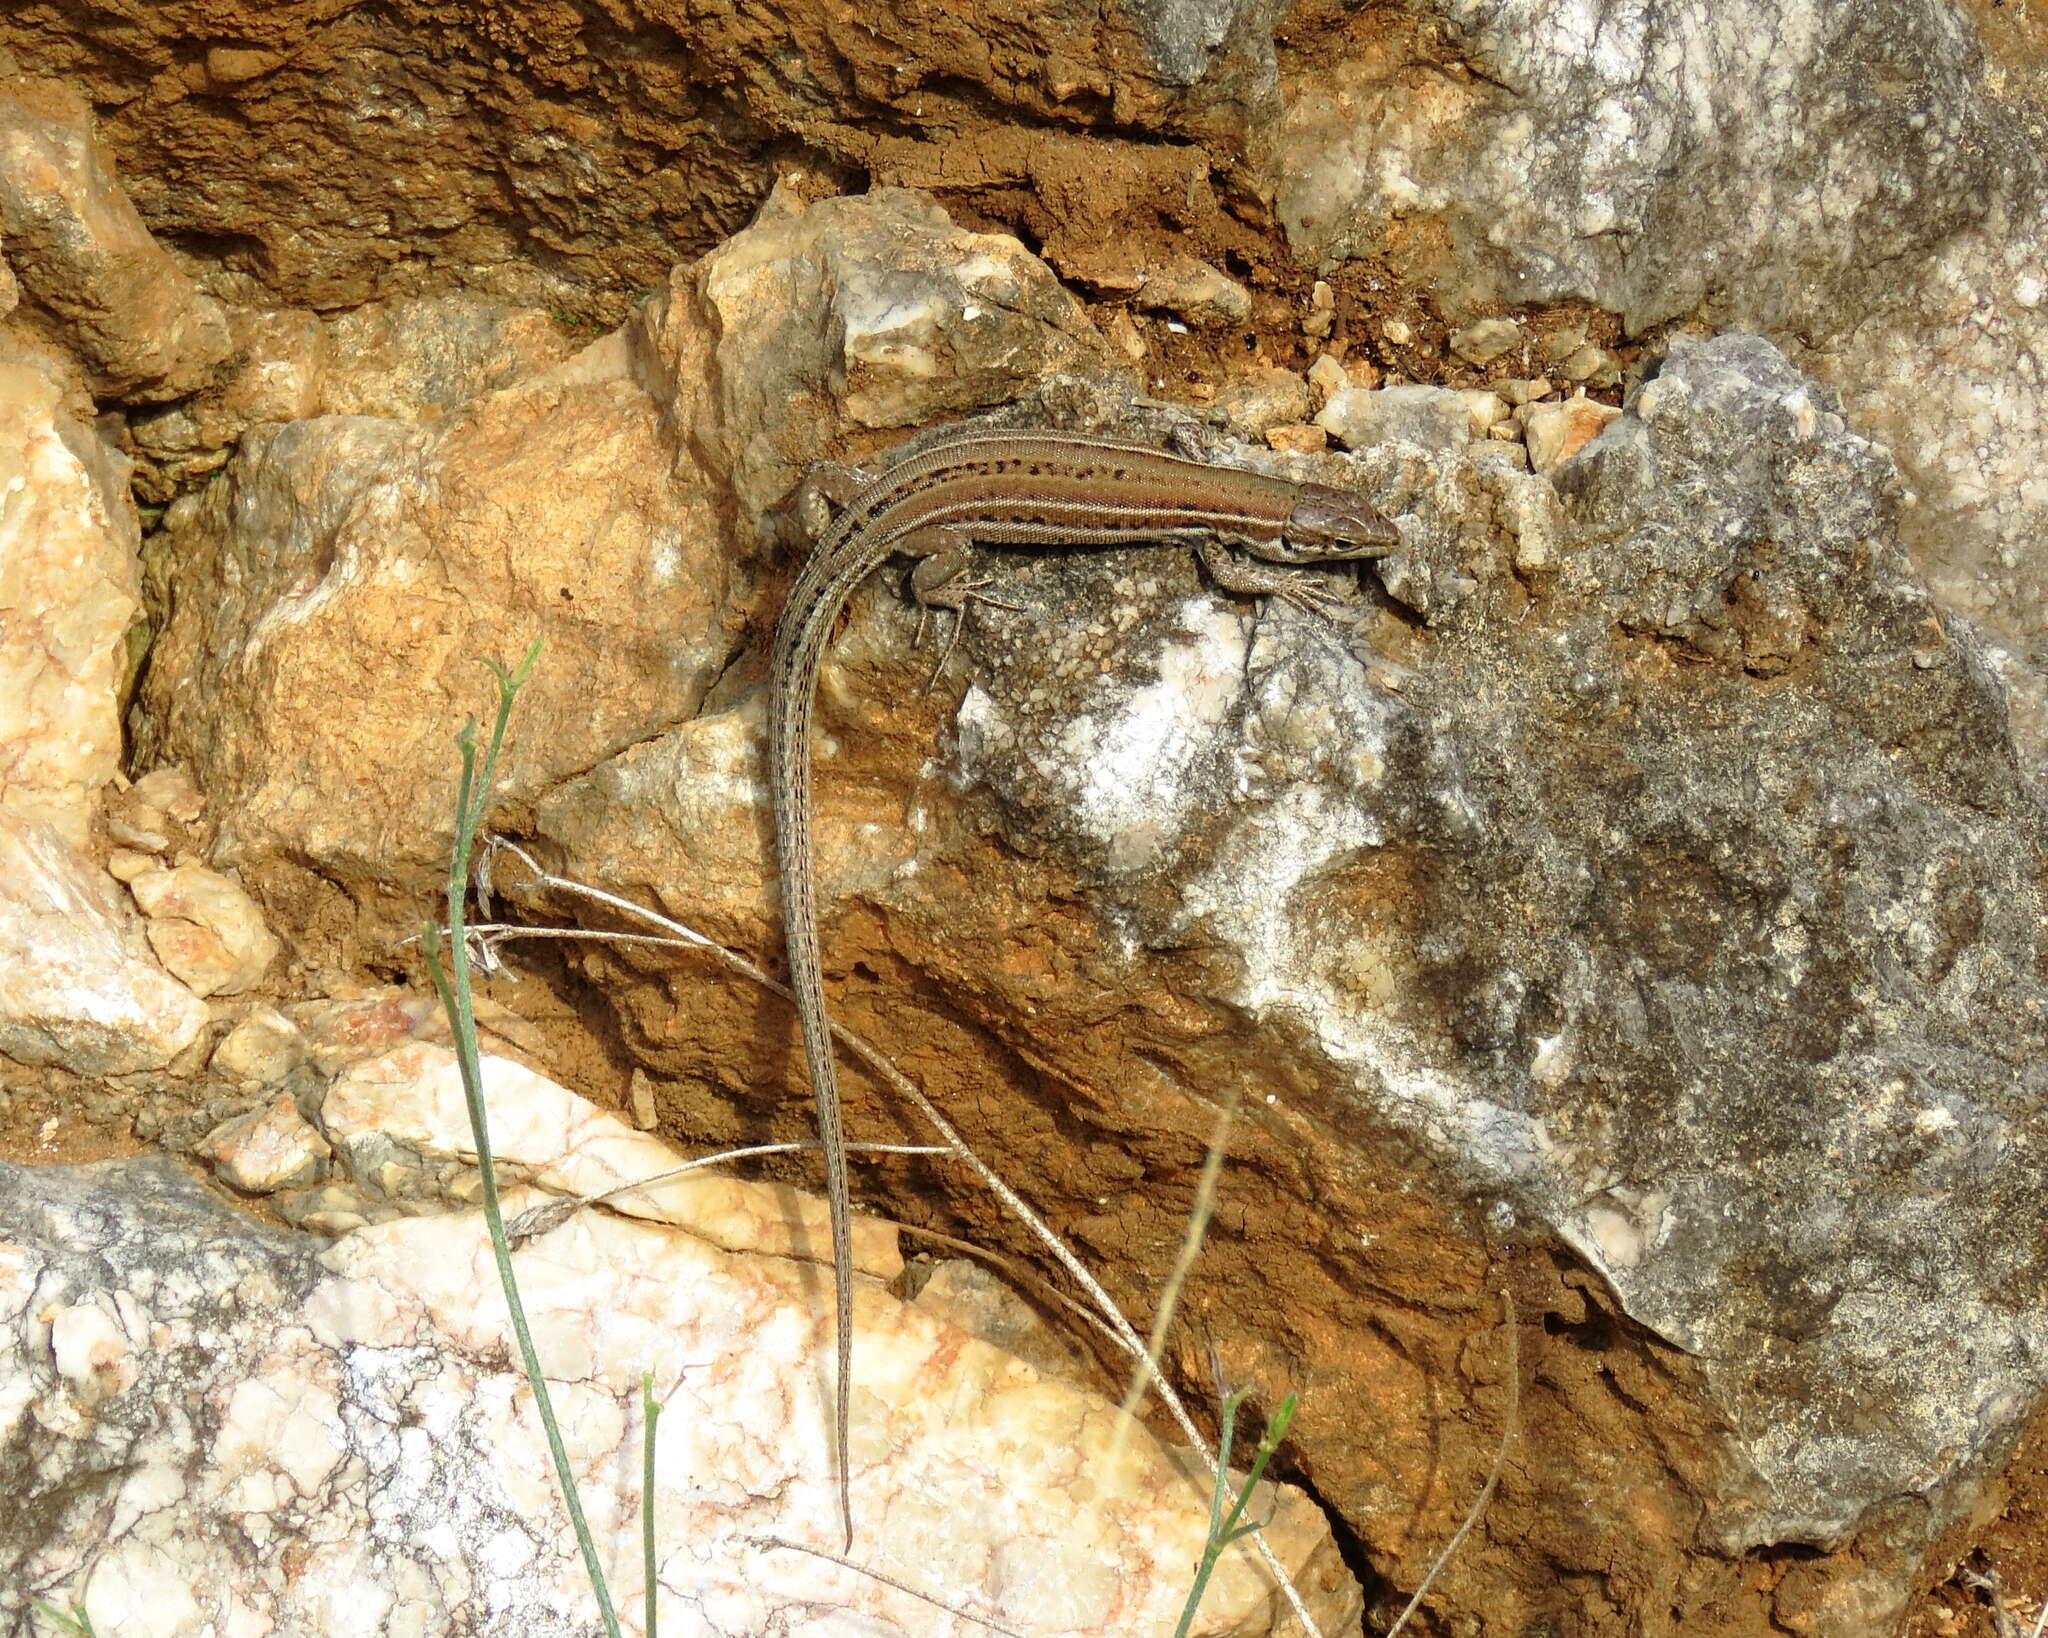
column 1483, row 342
column 646, row 1113
column 261, row 1049
column 172, row 792
column 875, row 312
column 1518, row 393
column 1591, row 366
column 1398, row 332
column 277, row 372
column 125, row 864
column 1430, row 417
column 267, row 1149
column 344, row 1031
column 93, row 274
column 1124, row 335
column 1322, row 312
column 1555, row 432
column 68, row 581
column 314, row 1364
column 206, row 929
column 349, row 541
column 1193, row 290
column 423, row 357
column 77, row 985
column 1298, row 440
column 140, row 827
column 1484, row 410
column 1893, row 260
column 414, row 1096
column 1327, row 377
column 966, row 1295
column 230, row 65
column 1254, row 403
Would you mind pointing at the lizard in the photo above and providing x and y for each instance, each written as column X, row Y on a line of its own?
column 1009, row 488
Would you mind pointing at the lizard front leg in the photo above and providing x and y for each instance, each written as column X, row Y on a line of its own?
column 1248, row 577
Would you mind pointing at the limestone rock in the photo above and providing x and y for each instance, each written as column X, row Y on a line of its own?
column 220, row 1422
column 206, row 929
column 77, row 984
column 1431, row 417
column 84, row 258
column 333, row 593
column 267, row 1149
column 69, row 585
column 260, row 1050
column 1557, row 431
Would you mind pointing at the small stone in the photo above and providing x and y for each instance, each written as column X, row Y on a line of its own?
column 1299, row 439
column 1398, row 331
column 393, row 1178
column 1561, row 344
column 139, row 826
column 1196, row 292
column 1124, row 332
column 1487, row 409
column 1322, row 312
column 1433, row 417
column 1483, row 342
column 1362, row 372
column 333, row 1224
column 205, row 929
column 640, row 1097
column 124, row 864
column 74, row 988
column 1595, row 366
column 1519, row 393
column 1556, row 432
column 1326, row 376
column 230, row 65
column 308, row 1208
column 1262, row 399
column 267, row 1149
column 262, row 1049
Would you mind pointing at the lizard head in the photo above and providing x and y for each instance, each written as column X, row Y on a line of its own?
column 1331, row 523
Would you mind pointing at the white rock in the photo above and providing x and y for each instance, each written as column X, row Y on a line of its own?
column 68, row 584
column 264, row 1047
column 1555, row 432
column 569, row 1145
column 1483, row 342
column 1432, row 417
column 77, row 985
column 266, row 1149
column 348, row 1445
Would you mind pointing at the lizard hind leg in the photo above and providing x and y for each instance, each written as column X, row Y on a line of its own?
column 944, row 583
column 806, row 512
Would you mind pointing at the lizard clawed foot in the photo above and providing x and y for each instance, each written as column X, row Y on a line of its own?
column 958, row 595
column 1311, row 597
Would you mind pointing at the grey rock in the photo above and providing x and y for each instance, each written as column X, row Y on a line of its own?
column 1431, row 417
column 1727, row 972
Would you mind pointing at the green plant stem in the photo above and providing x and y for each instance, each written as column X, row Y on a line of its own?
column 650, row 1414
column 1227, row 1527
column 453, row 987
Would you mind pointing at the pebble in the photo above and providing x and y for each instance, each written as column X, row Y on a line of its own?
column 1483, row 342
